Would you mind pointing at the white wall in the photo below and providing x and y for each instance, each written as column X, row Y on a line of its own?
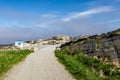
column 19, row 44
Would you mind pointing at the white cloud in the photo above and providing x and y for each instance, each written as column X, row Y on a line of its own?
column 52, row 19
column 43, row 25
column 88, row 12
column 49, row 15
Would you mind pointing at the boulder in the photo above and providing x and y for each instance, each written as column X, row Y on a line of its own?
column 61, row 37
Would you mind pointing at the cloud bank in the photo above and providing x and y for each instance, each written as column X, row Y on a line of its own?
column 36, row 26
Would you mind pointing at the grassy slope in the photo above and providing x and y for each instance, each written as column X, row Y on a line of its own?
column 10, row 57
column 86, row 68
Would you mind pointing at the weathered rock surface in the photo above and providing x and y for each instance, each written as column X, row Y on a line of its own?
column 102, row 46
column 61, row 37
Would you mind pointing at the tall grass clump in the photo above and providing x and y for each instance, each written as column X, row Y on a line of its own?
column 83, row 67
column 8, row 58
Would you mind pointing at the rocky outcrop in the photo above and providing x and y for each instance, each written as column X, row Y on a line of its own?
column 8, row 47
column 103, row 46
column 60, row 39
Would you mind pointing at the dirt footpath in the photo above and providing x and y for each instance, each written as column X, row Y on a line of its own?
column 41, row 65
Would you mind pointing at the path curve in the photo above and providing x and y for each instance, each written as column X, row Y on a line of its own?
column 40, row 65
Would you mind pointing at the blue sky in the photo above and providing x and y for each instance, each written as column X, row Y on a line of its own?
column 35, row 19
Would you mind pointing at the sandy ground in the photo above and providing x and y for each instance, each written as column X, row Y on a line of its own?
column 41, row 65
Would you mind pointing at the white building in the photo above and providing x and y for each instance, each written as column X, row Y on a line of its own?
column 19, row 44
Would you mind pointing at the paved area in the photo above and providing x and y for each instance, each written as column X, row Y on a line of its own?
column 40, row 65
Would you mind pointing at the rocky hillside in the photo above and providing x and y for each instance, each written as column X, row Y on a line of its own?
column 105, row 46
column 59, row 39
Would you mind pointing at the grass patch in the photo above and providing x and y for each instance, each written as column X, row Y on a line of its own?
column 86, row 68
column 8, row 58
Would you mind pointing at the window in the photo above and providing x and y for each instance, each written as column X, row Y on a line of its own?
column 19, row 43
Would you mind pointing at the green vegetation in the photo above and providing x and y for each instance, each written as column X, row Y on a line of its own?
column 83, row 67
column 8, row 58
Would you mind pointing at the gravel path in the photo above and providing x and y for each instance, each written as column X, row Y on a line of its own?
column 41, row 65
